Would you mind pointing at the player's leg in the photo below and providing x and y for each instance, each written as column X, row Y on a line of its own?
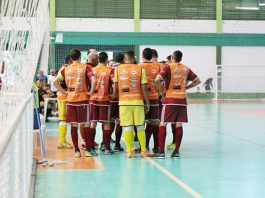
column 126, row 121
column 62, row 144
column 172, row 144
column 155, row 128
column 71, row 118
column 91, row 137
column 139, row 120
column 82, row 133
column 74, row 136
column 104, row 117
column 178, row 139
column 152, row 126
column 94, row 118
column 83, row 119
column 168, row 115
column 118, row 134
column 182, row 117
column 118, row 130
column 107, row 138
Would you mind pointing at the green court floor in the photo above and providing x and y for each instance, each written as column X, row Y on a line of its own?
column 222, row 155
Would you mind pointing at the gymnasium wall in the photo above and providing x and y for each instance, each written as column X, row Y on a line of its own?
column 168, row 16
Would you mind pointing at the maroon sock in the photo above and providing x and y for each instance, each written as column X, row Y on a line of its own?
column 112, row 126
column 74, row 137
column 179, row 134
column 118, row 133
column 155, row 136
column 87, row 137
column 173, row 128
column 106, row 138
column 148, row 134
column 162, row 138
column 92, row 134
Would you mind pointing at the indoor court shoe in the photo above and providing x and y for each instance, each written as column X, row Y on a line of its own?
column 159, row 156
column 102, row 147
column 65, row 145
column 155, row 151
column 77, row 154
column 129, row 154
column 118, row 149
column 88, row 154
column 175, row 156
column 94, row 152
column 171, row 146
column 145, row 154
column 108, row 152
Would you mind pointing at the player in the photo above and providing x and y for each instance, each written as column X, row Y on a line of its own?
column 61, row 101
column 119, row 59
column 176, row 76
column 152, row 117
column 173, row 126
column 131, row 84
column 100, row 100
column 92, row 58
column 76, row 77
column 92, row 61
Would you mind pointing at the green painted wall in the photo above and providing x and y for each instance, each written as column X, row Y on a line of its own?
column 146, row 38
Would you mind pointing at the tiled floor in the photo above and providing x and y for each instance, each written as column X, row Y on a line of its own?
column 222, row 155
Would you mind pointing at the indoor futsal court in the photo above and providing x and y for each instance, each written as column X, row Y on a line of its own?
column 132, row 98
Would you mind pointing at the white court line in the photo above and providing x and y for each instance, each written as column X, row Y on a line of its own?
column 175, row 179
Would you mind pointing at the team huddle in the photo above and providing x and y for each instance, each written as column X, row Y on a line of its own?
column 126, row 97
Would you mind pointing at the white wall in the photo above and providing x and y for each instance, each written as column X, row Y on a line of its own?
column 127, row 25
column 165, row 25
column 244, row 69
column 94, row 25
column 201, row 60
column 244, row 26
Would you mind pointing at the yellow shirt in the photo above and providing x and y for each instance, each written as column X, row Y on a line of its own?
column 132, row 102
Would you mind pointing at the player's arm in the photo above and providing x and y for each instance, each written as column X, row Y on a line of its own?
column 93, row 85
column 116, row 84
column 145, row 91
column 164, row 73
column 57, row 81
column 194, row 80
column 158, row 82
column 146, row 98
column 111, row 83
column 93, row 80
column 194, row 83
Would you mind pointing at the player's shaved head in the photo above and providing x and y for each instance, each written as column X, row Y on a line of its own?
column 177, row 56
column 119, row 58
column 147, row 53
column 103, row 57
column 129, row 57
column 92, row 51
column 75, row 54
column 154, row 53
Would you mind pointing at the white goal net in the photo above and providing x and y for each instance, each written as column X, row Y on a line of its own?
column 24, row 29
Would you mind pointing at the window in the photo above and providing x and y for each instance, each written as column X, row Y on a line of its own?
column 243, row 9
column 178, row 9
column 94, row 8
